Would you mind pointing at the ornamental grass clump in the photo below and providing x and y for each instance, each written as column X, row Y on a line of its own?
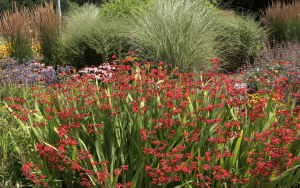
column 181, row 33
column 39, row 24
column 17, row 25
column 47, row 22
column 246, row 36
column 146, row 127
column 282, row 20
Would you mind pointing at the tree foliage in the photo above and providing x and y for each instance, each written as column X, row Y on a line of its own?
column 65, row 4
column 254, row 6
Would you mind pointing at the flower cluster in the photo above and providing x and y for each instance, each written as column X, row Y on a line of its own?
column 279, row 62
column 102, row 72
column 29, row 170
column 31, row 73
column 168, row 126
column 4, row 50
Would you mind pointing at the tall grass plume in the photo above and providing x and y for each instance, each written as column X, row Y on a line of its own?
column 283, row 21
column 22, row 28
column 17, row 25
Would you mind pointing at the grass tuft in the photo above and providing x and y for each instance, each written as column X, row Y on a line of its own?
column 180, row 33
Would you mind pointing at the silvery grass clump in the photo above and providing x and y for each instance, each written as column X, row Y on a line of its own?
column 187, row 34
column 89, row 38
column 181, row 33
column 282, row 60
column 31, row 72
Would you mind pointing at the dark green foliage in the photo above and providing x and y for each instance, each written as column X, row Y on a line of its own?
column 121, row 8
column 65, row 4
column 254, row 6
column 4, row 5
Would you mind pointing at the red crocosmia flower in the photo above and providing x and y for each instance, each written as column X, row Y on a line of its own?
column 117, row 171
column 114, row 56
column 175, row 178
column 103, row 163
column 75, row 165
column 250, row 160
column 128, row 184
column 209, row 108
column 148, row 168
column 200, row 176
column 185, row 134
column 49, row 117
column 125, row 167
column 133, row 52
column 206, row 167
column 86, row 183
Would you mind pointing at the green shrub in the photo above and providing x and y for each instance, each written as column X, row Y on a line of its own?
column 89, row 38
column 247, row 36
column 121, row 8
column 181, row 33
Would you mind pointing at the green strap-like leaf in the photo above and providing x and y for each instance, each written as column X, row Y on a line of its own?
column 236, row 150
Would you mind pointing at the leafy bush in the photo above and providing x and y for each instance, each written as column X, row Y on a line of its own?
column 181, row 33
column 246, row 35
column 90, row 39
column 121, row 8
column 283, row 20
